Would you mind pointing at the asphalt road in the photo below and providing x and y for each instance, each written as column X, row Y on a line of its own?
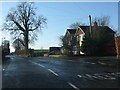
column 71, row 73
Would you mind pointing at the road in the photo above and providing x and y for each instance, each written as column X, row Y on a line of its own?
column 78, row 73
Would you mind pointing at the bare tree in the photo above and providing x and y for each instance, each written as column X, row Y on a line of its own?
column 22, row 21
column 102, row 21
column 117, row 33
column 18, row 44
column 76, row 25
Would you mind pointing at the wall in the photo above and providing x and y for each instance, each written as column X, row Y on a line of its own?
column 117, row 43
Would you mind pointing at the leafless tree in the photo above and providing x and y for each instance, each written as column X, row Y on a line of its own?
column 18, row 44
column 22, row 21
column 102, row 21
column 76, row 25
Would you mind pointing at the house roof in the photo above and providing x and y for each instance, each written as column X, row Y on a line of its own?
column 72, row 31
column 105, row 28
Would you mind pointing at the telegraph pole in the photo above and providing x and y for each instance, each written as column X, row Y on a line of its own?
column 90, row 26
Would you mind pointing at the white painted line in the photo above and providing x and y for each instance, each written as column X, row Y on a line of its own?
column 111, row 73
column 71, row 60
column 53, row 72
column 106, row 76
column 87, row 62
column 73, row 86
column 101, row 77
column 112, row 78
column 102, row 63
column 88, row 75
column 37, row 64
column 92, row 63
column 79, row 76
column 118, row 73
column 109, row 77
column 41, row 65
column 95, row 77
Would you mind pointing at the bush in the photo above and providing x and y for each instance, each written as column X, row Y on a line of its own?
column 22, row 52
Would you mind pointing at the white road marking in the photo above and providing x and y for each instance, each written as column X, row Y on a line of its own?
column 109, row 77
column 112, row 78
column 37, row 64
column 95, row 77
column 87, row 62
column 71, row 60
column 101, row 63
column 111, row 73
column 53, row 72
column 12, row 58
column 88, row 75
column 92, row 63
column 118, row 73
column 104, row 77
column 41, row 65
column 73, row 86
column 101, row 77
column 79, row 76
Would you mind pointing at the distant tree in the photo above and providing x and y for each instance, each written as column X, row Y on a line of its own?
column 22, row 21
column 67, row 45
column 102, row 21
column 61, row 40
column 18, row 44
column 5, row 47
column 117, row 33
column 76, row 25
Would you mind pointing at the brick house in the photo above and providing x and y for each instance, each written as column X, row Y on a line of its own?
column 117, row 43
column 81, row 31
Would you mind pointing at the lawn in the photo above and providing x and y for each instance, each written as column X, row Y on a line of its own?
column 41, row 50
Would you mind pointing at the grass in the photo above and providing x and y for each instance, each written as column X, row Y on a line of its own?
column 41, row 50
column 56, row 56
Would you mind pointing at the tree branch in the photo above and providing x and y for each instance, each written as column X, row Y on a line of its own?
column 19, row 26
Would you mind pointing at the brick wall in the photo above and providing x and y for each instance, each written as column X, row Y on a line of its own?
column 117, row 43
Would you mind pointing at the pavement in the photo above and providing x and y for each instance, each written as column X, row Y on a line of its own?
column 70, row 73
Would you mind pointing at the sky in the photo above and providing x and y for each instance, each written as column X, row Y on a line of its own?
column 59, row 16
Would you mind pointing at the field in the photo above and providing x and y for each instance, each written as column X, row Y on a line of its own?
column 41, row 51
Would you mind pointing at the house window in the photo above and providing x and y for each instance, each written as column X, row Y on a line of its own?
column 83, row 37
column 78, row 38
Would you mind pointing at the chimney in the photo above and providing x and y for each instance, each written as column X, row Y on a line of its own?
column 95, row 24
column 90, row 24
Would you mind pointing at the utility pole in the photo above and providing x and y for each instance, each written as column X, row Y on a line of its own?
column 90, row 26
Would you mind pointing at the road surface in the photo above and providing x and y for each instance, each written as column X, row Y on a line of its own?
column 78, row 73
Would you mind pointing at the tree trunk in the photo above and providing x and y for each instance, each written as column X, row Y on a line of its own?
column 26, row 41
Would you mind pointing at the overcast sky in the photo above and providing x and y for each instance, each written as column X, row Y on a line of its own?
column 60, row 15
